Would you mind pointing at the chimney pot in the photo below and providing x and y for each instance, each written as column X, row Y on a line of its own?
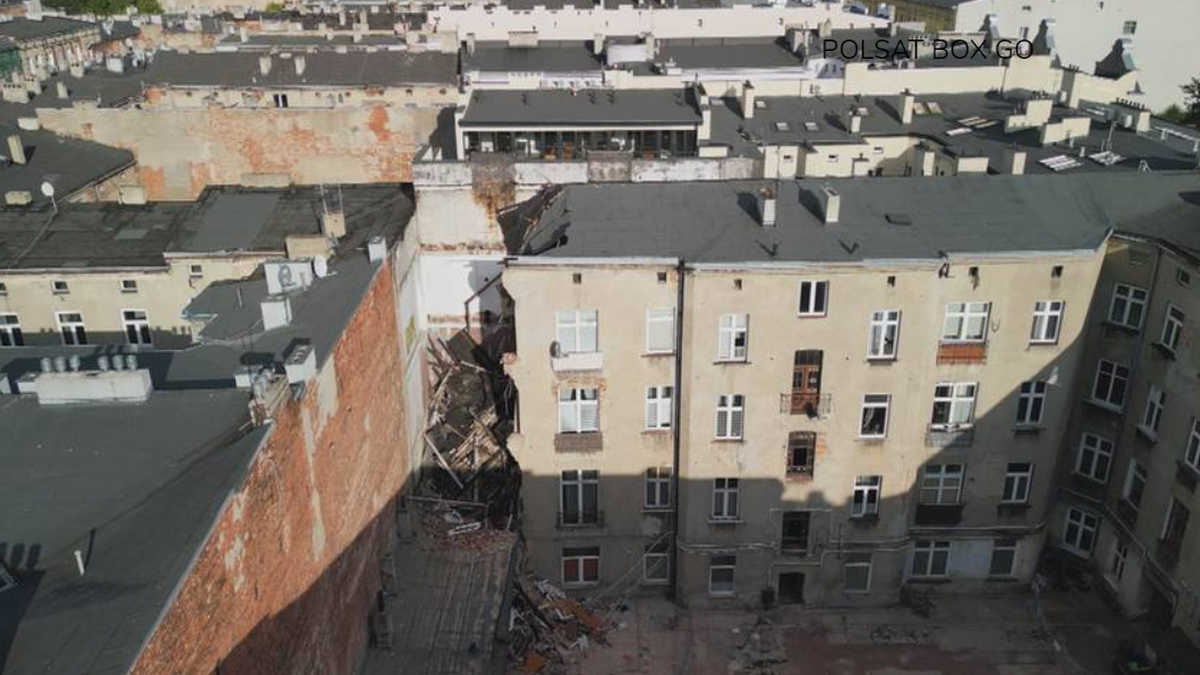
column 300, row 62
column 61, row 88
column 264, row 65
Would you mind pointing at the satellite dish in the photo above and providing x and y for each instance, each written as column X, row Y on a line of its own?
column 48, row 188
column 320, row 266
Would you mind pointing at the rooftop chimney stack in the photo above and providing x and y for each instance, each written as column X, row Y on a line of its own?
column 831, row 203
column 907, row 103
column 61, row 89
column 264, row 65
column 855, row 122
column 301, row 64
column 748, row 101
column 767, row 203
column 470, row 43
column 598, row 44
column 16, row 149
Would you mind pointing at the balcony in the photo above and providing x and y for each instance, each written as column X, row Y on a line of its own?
column 949, row 436
column 579, row 520
column 592, row 441
column 815, row 406
column 938, row 514
column 585, row 361
column 1127, row 513
column 956, row 353
column 1186, row 476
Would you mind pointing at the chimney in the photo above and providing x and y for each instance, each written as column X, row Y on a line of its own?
column 16, row 149
column 300, row 62
column 651, row 46
column 831, row 203
column 907, row 103
column 767, row 203
column 61, row 88
column 264, row 65
column 598, row 44
column 243, row 34
column 796, row 39
column 333, row 224
column 376, row 249
column 747, row 101
column 470, row 43
column 855, row 122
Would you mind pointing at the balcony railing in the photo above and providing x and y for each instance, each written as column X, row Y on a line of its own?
column 591, row 441
column 815, row 406
column 951, row 353
column 949, row 436
column 572, row 520
column 1186, row 476
column 938, row 514
column 577, row 362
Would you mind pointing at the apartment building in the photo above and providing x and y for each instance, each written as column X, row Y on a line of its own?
column 821, row 391
column 1131, row 462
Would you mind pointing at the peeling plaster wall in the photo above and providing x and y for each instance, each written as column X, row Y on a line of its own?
column 287, row 579
column 179, row 152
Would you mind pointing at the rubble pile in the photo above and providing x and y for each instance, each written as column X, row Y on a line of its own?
column 456, row 527
column 548, row 627
column 761, row 653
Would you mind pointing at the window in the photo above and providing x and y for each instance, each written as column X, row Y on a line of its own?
column 280, row 100
column 1111, row 381
column 884, row 335
column 1116, row 567
column 874, row 416
column 578, row 411
column 930, row 558
column 1151, row 417
column 70, row 326
column 732, row 337
column 1182, row 277
column 581, row 565
column 953, row 405
column 941, row 484
column 725, row 499
column 801, row 452
column 1172, row 328
column 858, row 572
column 814, row 295
column 1175, row 525
column 196, row 271
column 1031, row 401
column 1079, row 535
column 576, row 331
column 1128, row 306
column 136, row 326
column 59, row 287
column 3, row 288
column 580, row 497
column 656, row 563
column 731, row 413
column 1095, row 457
column 866, row 496
column 965, row 322
column 1135, row 485
column 658, row 487
column 1018, row 478
column 10, row 331
column 1129, row 28
column 129, row 286
column 660, row 330
column 720, row 574
column 1047, row 319
column 1004, row 558
column 1192, row 454
column 794, row 532
column 658, row 407
column 806, row 381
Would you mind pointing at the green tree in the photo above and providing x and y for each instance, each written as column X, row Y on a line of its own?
column 275, row 7
column 1191, row 93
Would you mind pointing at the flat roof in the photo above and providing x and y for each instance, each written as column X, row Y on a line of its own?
column 222, row 219
column 99, row 86
column 589, row 107
column 24, row 28
column 71, row 164
column 552, row 56
column 322, row 68
column 881, row 218
column 577, row 55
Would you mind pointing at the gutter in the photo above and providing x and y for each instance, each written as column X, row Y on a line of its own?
column 676, row 417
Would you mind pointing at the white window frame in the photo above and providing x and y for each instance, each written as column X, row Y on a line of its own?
column 578, row 482
column 1135, row 472
column 1009, row 545
column 1171, row 505
column 1083, row 522
column 659, row 409
column 657, row 316
column 732, row 329
column 731, row 417
column 1047, row 322
column 864, row 502
column 56, row 290
column 571, row 330
column 73, row 325
column 1172, row 330
column 945, row 482
column 875, row 402
column 140, row 325
column 1191, row 453
column 809, row 294
column 10, row 330
column 930, row 550
column 1018, row 483
column 1031, row 403
column 1124, row 299
column 955, row 395
column 726, row 562
column 857, row 563
column 660, row 560
column 574, row 401
column 1114, row 375
column 883, row 337
column 726, row 499
column 658, row 488
column 1099, row 448
column 962, row 314
column 1117, row 559
column 1156, row 403
column 129, row 286
column 580, row 566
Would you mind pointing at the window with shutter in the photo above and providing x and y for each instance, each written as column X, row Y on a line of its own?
column 660, row 330
column 732, row 337
column 730, row 416
column 658, row 407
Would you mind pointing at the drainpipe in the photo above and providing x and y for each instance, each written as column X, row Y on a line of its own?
column 676, row 417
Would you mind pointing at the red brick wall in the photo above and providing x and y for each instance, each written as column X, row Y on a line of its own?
column 287, row 579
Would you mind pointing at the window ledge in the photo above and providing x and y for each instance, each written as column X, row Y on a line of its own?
column 865, row 521
column 871, row 440
column 651, row 355
column 581, row 584
column 1147, row 433
column 1031, row 429
column 724, row 521
column 929, row 580
column 811, row 315
column 1104, row 405
column 729, row 440
column 881, row 360
column 798, row 477
column 723, row 595
column 657, row 432
column 731, row 362
column 1002, row 579
column 579, row 361
column 1044, row 343
column 1124, row 328
column 656, row 510
column 1166, row 351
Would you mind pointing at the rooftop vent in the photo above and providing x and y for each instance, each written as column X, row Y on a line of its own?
column 767, row 204
column 899, row 218
column 64, row 384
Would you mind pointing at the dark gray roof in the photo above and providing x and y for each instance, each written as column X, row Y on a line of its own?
column 877, row 46
column 881, row 218
column 322, row 68
column 22, row 28
column 266, row 41
column 1165, row 210
column 100, row 479
column 590, row 107
column 726, row 53
column 119, row 30
column 71, row 164
column 105, row 89
column 577, row 56
column 223, row 218
column 553, row 57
